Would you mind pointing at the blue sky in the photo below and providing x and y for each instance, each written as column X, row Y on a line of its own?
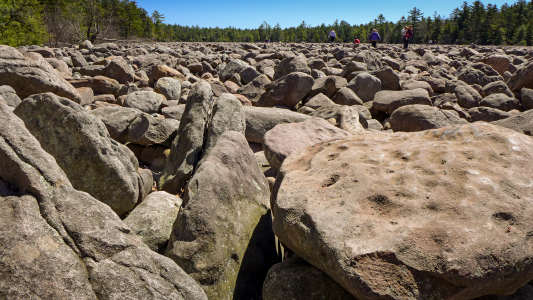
column 250, row 13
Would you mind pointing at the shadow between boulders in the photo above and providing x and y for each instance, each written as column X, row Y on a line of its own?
column 261, row 254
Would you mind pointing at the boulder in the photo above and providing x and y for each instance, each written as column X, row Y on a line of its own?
column 487, row 114
column 522, row 78
column 467, row 96
column 328, row 86
column 402, row 232
column 282, row 140
column 218, row 88
column 348, row 118
column 365, row 86
column 117, row 120
column 168, row 87
column 235, row 66
column 31, row 74
column 99, row 84
column 411, row 85
column 318, row 101
column 495, row 88
column 389, row 79
column 146, row 130
column 254, row 89
column 9, row 95
column 259, row 120
column 522, row 122
column 472, row 75
column 119, row 70
column 162, row 71
column 287, row 91
column 146, row 101
column 500, row 63
column 105, row 255
column 345, row 96
column 389, row 101
column 152, row 220
column 222, row 237
column 418, row 117
column 290, row 65
column 187, row 146
column 501, row 102
column 296, row 279
column 527, row 98
column 81, row 145
column 173, row 112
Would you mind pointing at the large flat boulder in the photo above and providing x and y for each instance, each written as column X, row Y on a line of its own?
column 522, row 122
column 31, row 74
column 412, row 215
column 287, row 91
column 80, row 143
column 222, row 238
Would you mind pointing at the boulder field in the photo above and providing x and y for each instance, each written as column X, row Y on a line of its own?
column 266, row 171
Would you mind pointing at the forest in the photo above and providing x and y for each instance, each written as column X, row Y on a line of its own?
column 62, row 22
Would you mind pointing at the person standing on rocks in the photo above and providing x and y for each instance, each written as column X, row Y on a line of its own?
column 374, row 37
column 408, row 36
column 332, row 35
column 356, row 41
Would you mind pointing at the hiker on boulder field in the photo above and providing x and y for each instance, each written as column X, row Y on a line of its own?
column 332, row 35
column 357, row 41
column 408, row 36
column 374, row 37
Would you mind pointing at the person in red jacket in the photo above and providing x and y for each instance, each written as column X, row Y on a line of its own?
column 408, row 36
column 357, row 41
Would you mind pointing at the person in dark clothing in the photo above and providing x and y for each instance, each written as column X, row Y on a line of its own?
column 408, row 36
column 374, row 37
column 332, row 35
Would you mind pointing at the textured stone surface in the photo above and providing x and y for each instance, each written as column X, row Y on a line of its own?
column 31, row 74
column 80, row 143
column 287, row 91
column 282, row 140
column 389, row 101
column 400, row 216
column 259, row 120
column 222, row 238
column 418, row 117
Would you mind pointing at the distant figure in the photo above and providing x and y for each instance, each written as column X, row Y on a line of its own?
column 357, row 41
column 374, row 37
column 332, row 35
column 404, row 31
column 430, row 42
column 267, row 40
column 203, row 39
column 408, row 36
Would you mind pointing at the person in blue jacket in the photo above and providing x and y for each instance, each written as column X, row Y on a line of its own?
column 374, row 37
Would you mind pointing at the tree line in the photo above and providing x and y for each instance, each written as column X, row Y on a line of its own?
column 58, row 22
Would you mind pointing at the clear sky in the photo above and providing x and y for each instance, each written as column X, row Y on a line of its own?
column 251, row 13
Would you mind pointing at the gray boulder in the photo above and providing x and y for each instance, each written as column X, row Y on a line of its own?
column 80, row 143
column 146, row 130
column 328, row 86
column 187, row 146
column 146, row 101
column 30, row 74
column 234, row 66
column 119, row 70
column 495, row 88
column 115, row 262
column 9, row 95
column 287, row 91
column 527, row 98
column 152, row 220
column 259, row 120
column 418, row 117
column 254, row 89
column 389, row 101
column 282, row 140
column 290, row 65
column 345, row 96
column 522, row 78
column 522, row 122
column 168, row 87
column 365, row 86
column 117, row 119
column 222, row 238
column 501, row 102
column 487, row 114
column 296, row 279
column 349, row 118
column 390, row 80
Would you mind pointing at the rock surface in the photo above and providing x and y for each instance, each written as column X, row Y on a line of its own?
column 415, row 227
